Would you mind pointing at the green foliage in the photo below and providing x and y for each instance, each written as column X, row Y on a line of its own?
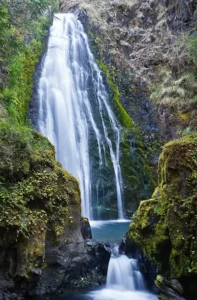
column 123, row 116
column 9, row 45
column 23, row 31
column 17, row 93
column 192, row 43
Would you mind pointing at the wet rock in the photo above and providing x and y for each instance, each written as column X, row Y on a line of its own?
column 98, row 255
column 10, row 296
column 171, row 289
column 86, row 229
column 92, row 271
column 83, row 271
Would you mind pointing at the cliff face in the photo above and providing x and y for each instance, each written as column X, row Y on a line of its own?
column 147, row 42
column 144, row 49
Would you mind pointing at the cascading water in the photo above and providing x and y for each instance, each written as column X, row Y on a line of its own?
column 74, row 111
column 124, row 280
column 123, row 274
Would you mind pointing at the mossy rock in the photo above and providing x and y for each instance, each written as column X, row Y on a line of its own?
column 165, row 226
column 37, row 196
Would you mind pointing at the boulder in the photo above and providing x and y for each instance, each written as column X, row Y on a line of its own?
column 164, row 227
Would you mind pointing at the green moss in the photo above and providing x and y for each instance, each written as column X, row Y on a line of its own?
column 143, row 226
column 36, row 194
column 165, row 226
column 192, row 45
column 23, row 31
column 136, row 173
column 21, row 67
column 123, row 116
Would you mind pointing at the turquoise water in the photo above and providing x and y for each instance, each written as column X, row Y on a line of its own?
column 109, row 231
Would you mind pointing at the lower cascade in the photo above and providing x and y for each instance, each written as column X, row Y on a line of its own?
column 124, row 280
column 75, row 115
column 123, row 274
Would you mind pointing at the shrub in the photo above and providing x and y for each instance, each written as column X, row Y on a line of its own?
column 193, row 48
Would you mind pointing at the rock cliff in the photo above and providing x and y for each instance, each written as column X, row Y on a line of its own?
column 40, row 209
column 147, row 53
column 164, row 227
column 148, row 45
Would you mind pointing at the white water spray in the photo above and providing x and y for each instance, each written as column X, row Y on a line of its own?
column 124, row 280
column 68, row 115
column 123, row 274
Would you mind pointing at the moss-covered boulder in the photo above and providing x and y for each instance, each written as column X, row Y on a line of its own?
column 164, row 227
column 39, row 207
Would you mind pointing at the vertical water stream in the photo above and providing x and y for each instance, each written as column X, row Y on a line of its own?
column 75, row 114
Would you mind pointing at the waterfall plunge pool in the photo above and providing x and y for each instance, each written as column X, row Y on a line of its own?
column 124, row 281
column 111, row 232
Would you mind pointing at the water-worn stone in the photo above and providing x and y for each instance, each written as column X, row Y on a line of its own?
column 171, row 290
column 92, row 271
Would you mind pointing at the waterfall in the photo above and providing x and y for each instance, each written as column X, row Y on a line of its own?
column 124, row 280
column 74, row 111
column 123, row 274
